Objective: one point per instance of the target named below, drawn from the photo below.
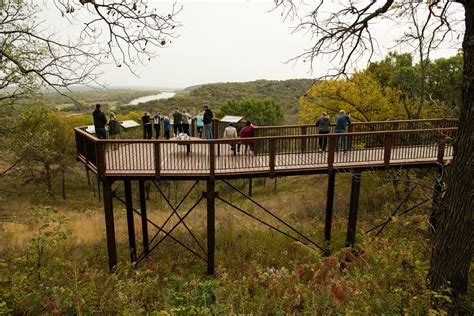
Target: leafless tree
(344, 31)
(33, 55)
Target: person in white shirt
(231, 132)
(185, 121)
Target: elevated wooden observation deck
(275, 151)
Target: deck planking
(138, 159)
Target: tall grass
(54, 261)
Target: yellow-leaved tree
(361, 95)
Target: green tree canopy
(259, 112)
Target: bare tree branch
(32, 56)
(343, 30)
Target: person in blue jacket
(166, 127)
(342, 120)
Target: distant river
(163, 95)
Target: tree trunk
(453, 240)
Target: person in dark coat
(323, 124)
(99, 122)
(342, 120)
(177, 126)
(147, 128)
(207, 120)
(245, 132)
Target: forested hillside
(285, 93)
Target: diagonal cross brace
(171, 230)
(175, 211)
(278, 219)
(167, 234)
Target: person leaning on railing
(156, 124)
(323, 123)
(342, 120)
(185, 121)
(147, 129)
(177, 127)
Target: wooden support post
(141, 191)
(212, 159)
(215, 128)
(88, 177)
(157, 151)
(100, 156)
(350, 129)
(331, 149)
(193, 127)
(353, 208)
(387, 153)
(109, 224)
(250, 186)
(211, 222)
(98, 189)
(329, 206)
(396, 127)
(303, 140)
(130, 224)
(271, 157)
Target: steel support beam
(109, 224)
(353, 208)
(141, 191)
(329, 206)
(211, 222)
(130, 223)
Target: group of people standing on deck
(181, 120)
(342, 121)
(177, 123)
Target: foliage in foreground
(258, 272)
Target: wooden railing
(305, 129)
(271, 155)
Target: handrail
(364, 123)
(165, 157)
(233, 140)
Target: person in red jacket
(245, 132)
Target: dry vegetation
(54, 260)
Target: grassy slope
(258, 271)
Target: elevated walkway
(275, 151)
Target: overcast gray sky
(232, 40)
(222, 41)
